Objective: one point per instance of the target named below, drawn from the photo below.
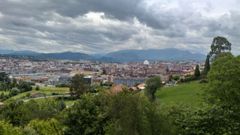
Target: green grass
(45, 90)
(187, 94)
(50, 90)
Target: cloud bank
(93, 26)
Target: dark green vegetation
(78, 86)
(152, 85)
(10, 88)
(197, 73)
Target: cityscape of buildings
(56, 72)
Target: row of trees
(12, 86)
(124, 113)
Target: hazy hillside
(164, 54)
(119, 56)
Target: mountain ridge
(118, 56)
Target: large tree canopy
(224, 79)
(152, 85)
(218, 46)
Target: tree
(222, 115)
(44, 127)
(4, 77)
(20, 113)
(197, 72)
(207, 65)
(37, 88)
(8, 129)
(214, 120)
(4, 81)
(224, 79)
(218, 46)
(152, 85)
(88, 116)
(133, 114)
(78, 86)
(24, 86)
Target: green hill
(190, 94)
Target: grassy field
(48, 91)
(187, 94)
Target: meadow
(46, 91)
(190, 94)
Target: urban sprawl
(58, 72)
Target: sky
(102, 26)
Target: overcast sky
(101, 26)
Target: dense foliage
(152, 85)
(78, 86)
(197, 72)
(222, 115)
(19, 113)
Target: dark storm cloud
(120, 9)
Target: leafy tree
(4, 81)
(224, 79)
(14, 83)
(218, 46)
(44, 127)
(207, 65)
(8, 129)
(223, 114)
(120, 114)
(78, 86)
(133, 114)
(20, 113)
(37, 88)
(14, 92)
(197, 72)
(175, 78)
(152, 85)
(4, 77)
(88, 116)
(214, 120)
(24, 86)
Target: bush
(14, 92)
(8, 129)
(24, 86)
(20, 113)
(37, 88)
(215, 120)
(124, 113)
(62, 85)
(44, 127)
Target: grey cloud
(63, 25)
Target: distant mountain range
(119, 56)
